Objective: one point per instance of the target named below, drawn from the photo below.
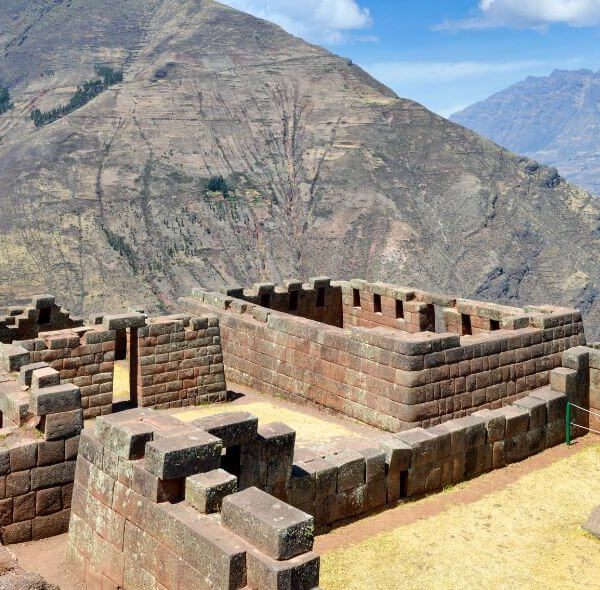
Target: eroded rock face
(13, 577)
(324, 170)
(549, 118)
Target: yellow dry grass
(309, 428)
(527, 535)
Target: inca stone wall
(318, 299)
(390, 377)
(180, 362)
(41, 422)
(144, 514)
(83, 356)
(221, 502)
(172, 363)
(41, 315)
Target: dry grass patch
(527, 535)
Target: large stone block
(517, 420)
(44, 377)
(202, 542)
(298, 573)
(26, 371)
(12, 357)
(537, 411)
(205, 491)
(123, 320)
(62, 425)
(350, 469)
(183, 455)
(58, 398)
(233, 428)
(273, 527)
(424, 446)
(124, 433)
(495, 424)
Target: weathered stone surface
(44, 377)
(63, 425)
(275, 528)
(205, 491)
(123, 320)
(350, 469)
(124, 433)
(54, 399)
(12, 357)
(233, 428)
(298, 573)
(183, 455)
(26, 371)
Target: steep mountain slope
(554, 119)
(328, 172)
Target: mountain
(233, 152)
(553, 119)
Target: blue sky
(446, 54)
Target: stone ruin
(391, 357)
(456, 388)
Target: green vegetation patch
(84, 94)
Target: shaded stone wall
(318, 299)
(157, 501)
(83, 356)
(372, 305)
(388, 378)
(41, 315)
(42, 420)
(173, 362)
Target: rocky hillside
(554, 119)
(232, 151)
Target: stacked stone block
(347, 483)
(42, 420)
(319, 299)
(388, 378)
(137, 523)
(180, 362)
(372, 305)
(84, 357)
(176, 362)
(338, 484)
(42, 314)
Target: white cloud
(535, 14)
(394, 73)
(325, 21)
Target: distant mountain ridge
(233, 152)
(554, 119)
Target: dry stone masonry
(174, 361)
(144, 502)
(41, 422)
(387, 366)
(456, 388)
(42, 314)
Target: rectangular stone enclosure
(389, 356)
